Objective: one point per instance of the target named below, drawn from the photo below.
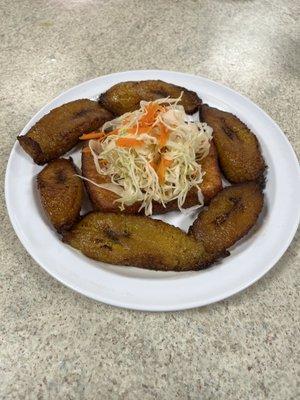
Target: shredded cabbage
(131, 169)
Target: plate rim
(143, 307)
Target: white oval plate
(140, 289)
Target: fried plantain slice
(238, 148)
(61, 193)
(104, 200)
(229, 216)
(126, 96)
(57, 132)
(101, 199)
(137, 241)
(212, 180)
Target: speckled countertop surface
(56, 344)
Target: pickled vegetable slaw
(151, 154)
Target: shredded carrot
(98, 135)
(151, 111)
(92, 135)
(161, 169)
(132, 129)
(129, 142)
(113, 132)
(138, 129)
(153, 164)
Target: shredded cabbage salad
(152, 154)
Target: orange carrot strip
(92, 135)
(132, 129)
(153, 165)
(129, 142)
(144, 129)
(161, 170)
(141, 129)
(97, 135)
(151, 110)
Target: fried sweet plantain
(238, 148)
(212, 181)
(229, 216)
(137, 241)
(104, 200)
(143, 242)
(126, 96)
(101, 199)
(57, 132)
(61, 193)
